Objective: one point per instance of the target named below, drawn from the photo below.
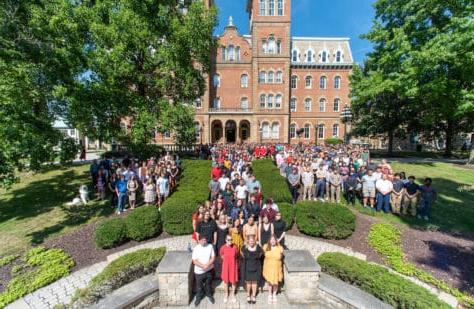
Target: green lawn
(35, 209)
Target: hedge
(378, 281)
(193, 189)
(333, 141)
(121, 271)
(143, 223)
(288, 214)
(273, 184)
(110, 233)
(325, 220)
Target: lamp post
(346, 116)
(201, 129)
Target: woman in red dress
(197, 216)
(229, 273)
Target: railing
(230, 110)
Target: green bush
(121, 271)
(333, 141)
(144, 151)
(42, 266)
(69, 150)
(110, 233)
(192, 189)
(325, 220)
(378, 281)
(288, 214)
(273, 184)
(143, 223)
(7, 259)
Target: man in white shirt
(307, 178)
(203, 261)
(241, 191)
(384, 188)
(223, 181)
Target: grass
(34, 209)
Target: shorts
(368, 192)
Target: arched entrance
(216, 131)
(244, 130)
(230, 131)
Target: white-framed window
(280, 7)
(337, 82)
(307, 130)
(338, 56)
(279, 77)
(307, 104)
(244, 81)
(278, 47)
(322, 105)
(244, 103)
(265, 130)
(270, 101)
(324, 56)
(292, 130)
(224, 53)
(271, 77)
(293, 103)
(263, 7)
(216, 80)
(275, 130)
(337, 104)
(271, 7)
(216, 103)
(323, 81)
(237, 53)
(278, 101)
(294, 81)
(231, 53)
(264, 46)
(320, 130)
(271, 48)
(263, 100)
(308, 82)
(335, 130)
(309, 56)
(197, 103)
(294, 55)
(262, 78)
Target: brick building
(267, 85)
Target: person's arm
(197, 263)
(272, 229)
(215, 238)
(259, 230)
(282, 236)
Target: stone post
(301, 274)
(175, 279)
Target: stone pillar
(301, 273)
(175, 279)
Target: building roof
(318, 44)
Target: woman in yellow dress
(272, 267)
(236, 234)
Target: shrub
(69, 150)
(110, 233)
(288, 214)
(325, 220)
(144, 151)
(273, 184)
(7, 259)
(121, 271)
(333, 141)
(143, 223)
(378, 281)
(43, 266)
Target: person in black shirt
(253, 208)
(352, 183)
(279, 228)
(411, 196)
(207, 228)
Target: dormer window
(224, 53)
(338, 56)
(231, 53)
(294, 55)
(309, 56)
(324, 56)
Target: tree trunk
(390, 143)
(448, 151)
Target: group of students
(237, 235)
(128, 181)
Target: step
(218, 286)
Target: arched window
(237, 53)
(337, 82)
(322, 105)
(292, 130)
(309, 56)
(275, 130)
(216, 80)
(335, 130)
(231, 53)
(307, 104)
(294, 81)
(307, 130)
(263, 7)
(323, 82)
(308, 81)
(264, 46)
(271, 48)
(262, 77)
(293, 103)
(324, 56)
(278, 101)
(278, 47)
(280, 7)
(294, 55)
(279, 77)
(337, 104)
(224, 53)
(271, 7)
(244, 103)
(321, 131)
(216, 103)
(338, 56)
(244, 81)
(265, 130)
(263, 100)
(270, 101)
(271, 77)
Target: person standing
(252, 268)
(335, 181)
(265, 231)
(214, 188)
(222, 232)
(272, 267)
(308, 180)
(397, 194)
(279, 227)
(320, 184)
(294, 181)
(428, 197)
(351, 186)
(241, 191)
(163, 187)
(150, 192)
(121, 191)
(203, 257)
(411, 196)
(207, 228)
(368, 188)
(229, 271)
(132, 187)
(111, 184)
(384, 189)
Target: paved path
(62, 291)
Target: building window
(271, 48)
(323, 82)
(263, 101)
(324, 56)
(270, 101)
(307, 130)
(308, 81)
(279, 77)
(307, 105)
(280, 7)
(263, 9)
(216, 103)
(337, 82)
(278, 101)
(237, 53)
(338, 56)
(292, 130)
(198, 103)
(322, 105)
(244, 103)
(167, 134)
(294, 55)
(337, 103)
(197, 130)
(275, 130)
(262, 77)
(278, 49)
(231, 53)
(271, 77)
(309, 56)
(265, 130)
(293, 105)
(244, 81)
(294, 81)
(335, 130)
(217, 80)
(321, 131)
(224, 53)
(271, 7)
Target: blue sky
(321, 18)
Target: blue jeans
(425, 208)
(383, 202)
(121, 201)
(320, 187)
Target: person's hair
(411, 177)
(397, 175)
(268, 246)
(201, 237)
(428, 179)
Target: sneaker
(211, 299)
(226, 300)
(426, 218)
(197, 302)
